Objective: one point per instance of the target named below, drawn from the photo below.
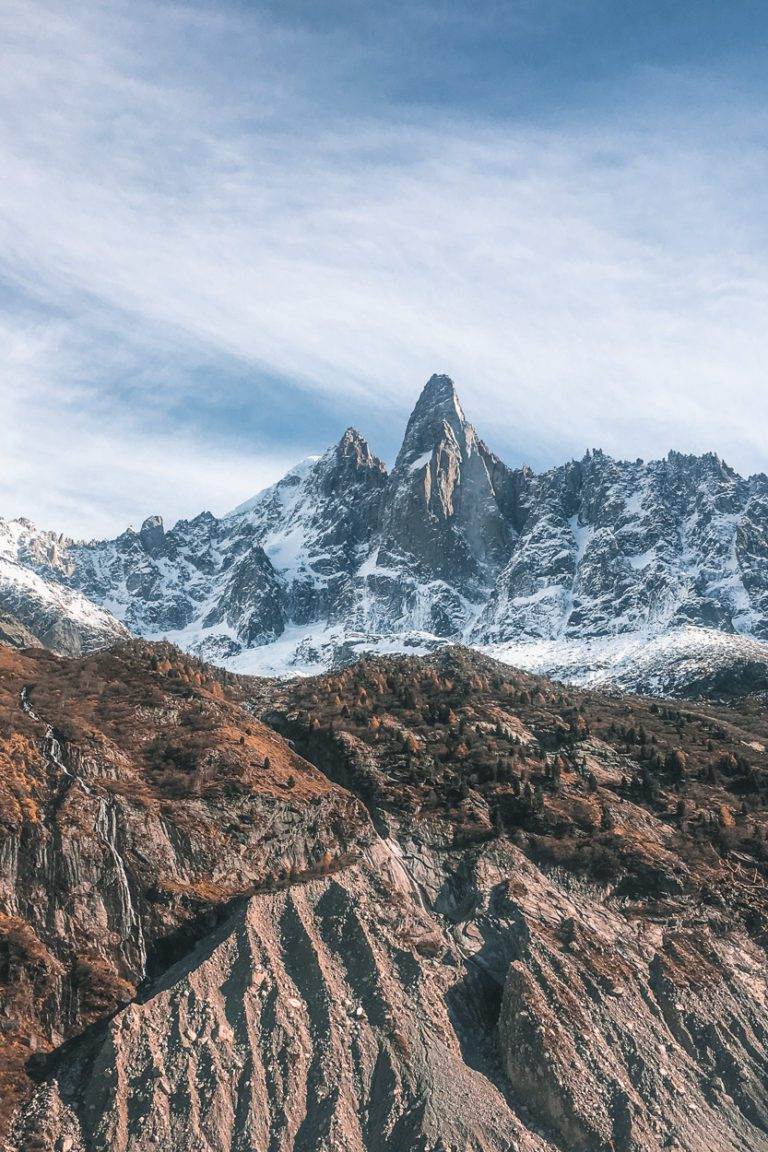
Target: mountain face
(583, 571)
(610, 546)
(419, 903)
(441, 515)
(39, 611)
(136, 805)
(317, 525)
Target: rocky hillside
(416, 903)
(584, 572)
(136, 804)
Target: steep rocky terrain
(14, 634)
(416, 903)
(583, 572)
(44, 611)
(135, 805)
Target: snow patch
(420, 461)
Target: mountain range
(644, 575)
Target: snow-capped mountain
(40, 611)
(598, 570)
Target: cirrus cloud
(220, 245)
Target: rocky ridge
(578, 572)
(136, 804)
(45, 611)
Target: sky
(228, 231)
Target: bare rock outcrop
(482, 914)
(135, 804)
(307, 1022)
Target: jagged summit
(352, 439)
(442, 516)
(353, 451)
(352, 436)
(152, 535)
(440, 392)
(572, 571)
(437, 416)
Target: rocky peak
(589, 550)
(348, 461)
(438, 416)
(442, 510)
(152, 535)
(439, 392)
(354, 444)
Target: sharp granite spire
(437, 414)
(592, 560)
(442, 515)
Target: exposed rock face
(631, 999)
(135, 805)
(442, 537)
(615, 1031)
(526, 942)
(152, 536)
(309, 1022)
(251, 603)
(15, 634)
(317, 525)
(197, 574)
(297, 1026)
(442, 514)
(46, 612)
(612, 547)
(579, 572)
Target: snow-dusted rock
(576, 571)
(441, 515)
(45, 612)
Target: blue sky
(228, 231)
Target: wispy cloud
(189, 188)
(75, 461)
